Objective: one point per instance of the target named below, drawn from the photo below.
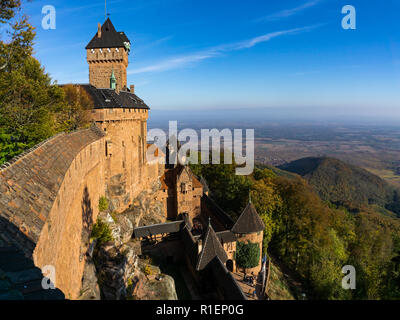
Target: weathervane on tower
(105, 10)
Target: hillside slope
(345, 184)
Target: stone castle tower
(107, 56)
(250, 228)
(120, 114)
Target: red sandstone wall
(51, 194)
(63, 240)
(101, 63)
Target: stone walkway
(248, 289)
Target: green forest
(32, 106)
(312, 237)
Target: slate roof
(109, 98)
(211, 248)
(190, 244)
(226, 236)
(225, 281)
(217, 212)
(204, 184)
(155, 229)
(249, 221)
(110, 38)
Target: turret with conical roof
(249, 221)
(250, 228)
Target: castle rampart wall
(51, 196)
(63, 241)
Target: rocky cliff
(114, 270)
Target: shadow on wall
(87, 215)
(21, 279)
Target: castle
(49, 194)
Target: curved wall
(50, 194)
(63, 241)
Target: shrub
(101, 232)
(147, 270)
(247, 254)
(103, 204)
(114, 216)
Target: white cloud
(289, 12)
(177, 62)
(173, 63)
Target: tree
(27, 96)
(101, 232)
(8, 9)
(267, 203)
(103, 204)
(73, 114)
(229, 190)
(32, 106)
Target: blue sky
(238, 54)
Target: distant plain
(281, 138)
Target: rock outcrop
(121, 273)
(146, 209)
(115, 268)
(90, 289)
(152, 285)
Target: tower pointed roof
(211, 248)
(249, 221)
(109, 38)
(204, 184)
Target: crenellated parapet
(118, 114)
(107, 54)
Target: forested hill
(345, 184)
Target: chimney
(132, 88)
(98, 30)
